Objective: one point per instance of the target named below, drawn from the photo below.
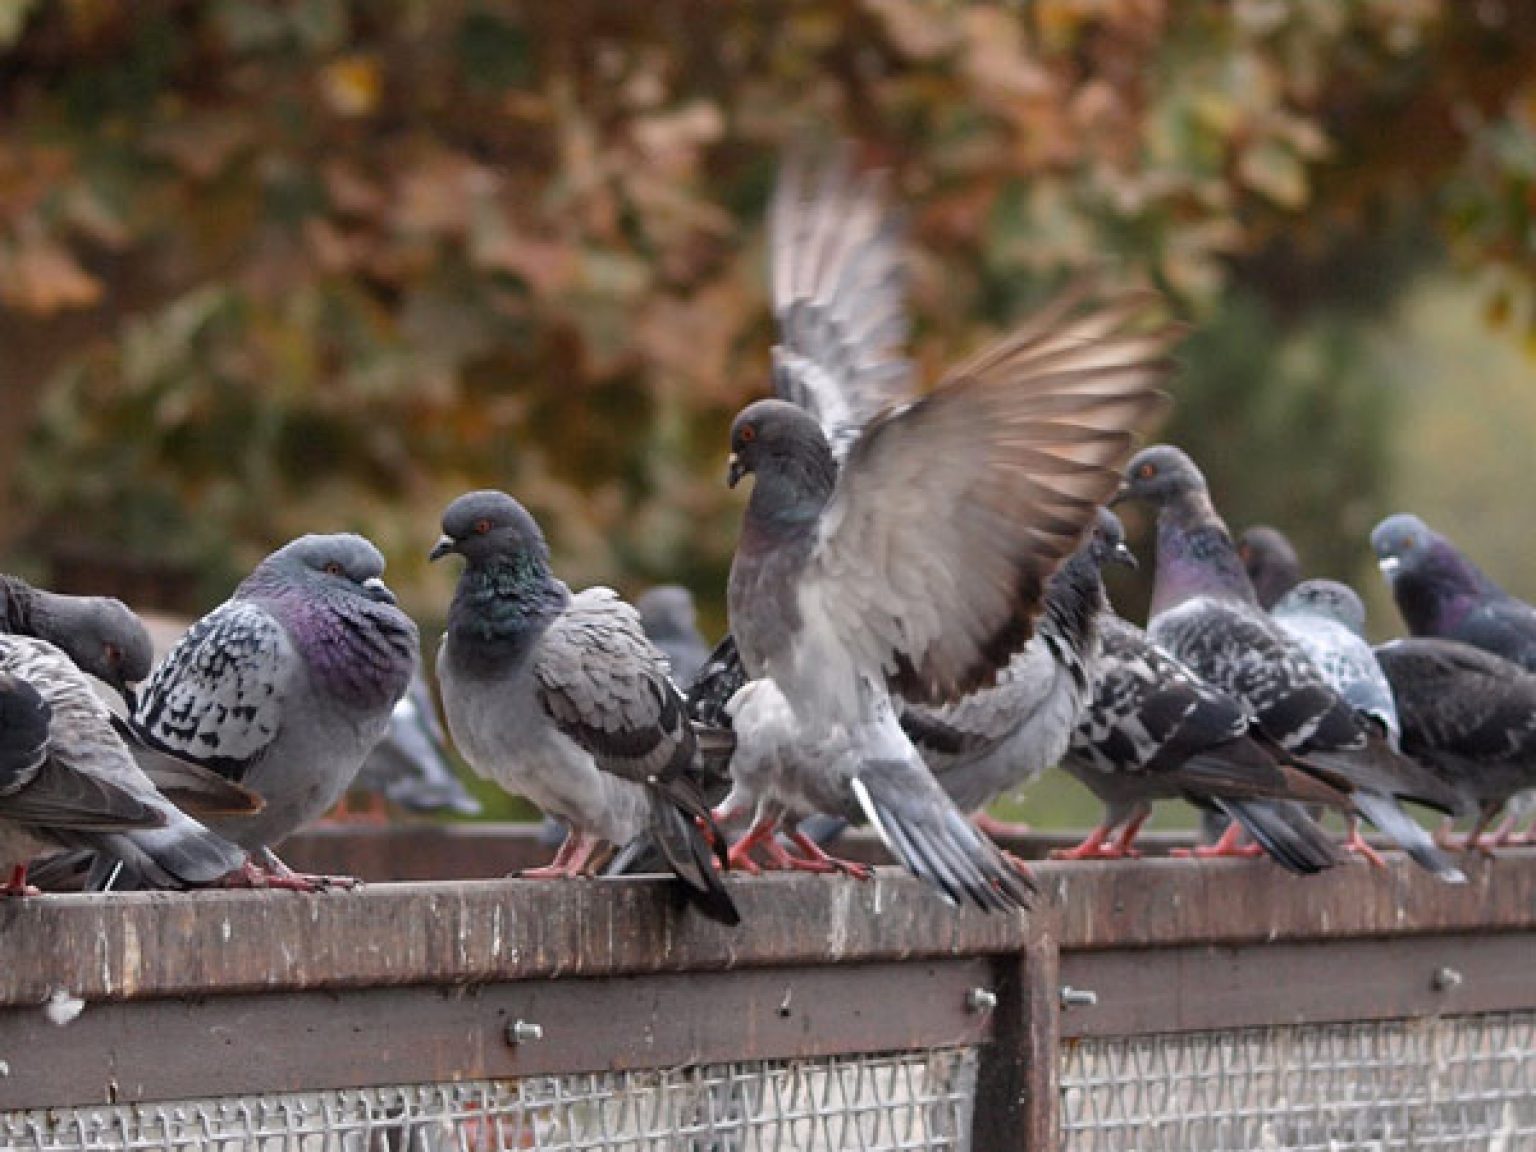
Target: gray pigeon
(1271, 562)
(286, 687)
(1000, 738)
(1327, 619)
(1205, 613)
(70, 782)
(410, 766)
(560, 698)
(101, 635)
(1469, 716)
(670, 620)
(918, 567)
(1440, 592)
(1154, 730)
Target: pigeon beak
(444, 545)
(130, 695)
(734, 471)
(1389, 566)
(378, 590)
(1122, 554)
(1122, 494)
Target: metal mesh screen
(868, 1103)
(1464, 1082)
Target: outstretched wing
(951, 513)
(839, 295)
(605, 687)
(217, 698)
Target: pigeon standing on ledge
(285, 688)
(559, 697)
(68, 781)
(1470, 716)
(1204, 612)
(1156, 731)
(1327, 619)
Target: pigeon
(1270, 561)
(285, 688)
(1327, 619)
(670, 621)
(69, 781)
(1154, 730)
(1468, 715)
(559, 697)
(410, 766)
(1205, 613)
(998, 739)
(1440, 592)
(101, 635)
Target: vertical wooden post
(1018, 1103)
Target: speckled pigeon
(1000, 738)
(286, 687)
(1441, 592)
(1469, 716)
(410, 766)
(670, 620)
(1205, 613)
(559, 697)
(1271, 562)
(69, 782)
(1154, 730)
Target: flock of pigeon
(918, 626)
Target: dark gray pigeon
(101, 635)
(285, 688)
(69, 782)
(1327, 619)
(919, 567)
(999, 739)
(1271, 562)
(410, 766)
(1154, 730)
(559, 697)
(1205, 613)
(1470, 717)
(670, 620)
(1440, 592)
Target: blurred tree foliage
(268, 267)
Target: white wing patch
(217, 698)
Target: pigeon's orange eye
(1146, 472)
(482, 527)
(333, 569)
(113, 653)
(747, 434)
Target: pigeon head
(667, 610)
(1270, 561)
(108, 641)
(481, 526)
(1106, 541)
(1401, 542)
(1328, 599)
(1160, 475)
(783, 446)
(338, 565)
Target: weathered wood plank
(471, 932)
(1207, 987)
(306, 1041)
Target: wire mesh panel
(867, 1103)
(1443, 1083)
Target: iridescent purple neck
(360, 651)
(1196, 556)
(1437, 591)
